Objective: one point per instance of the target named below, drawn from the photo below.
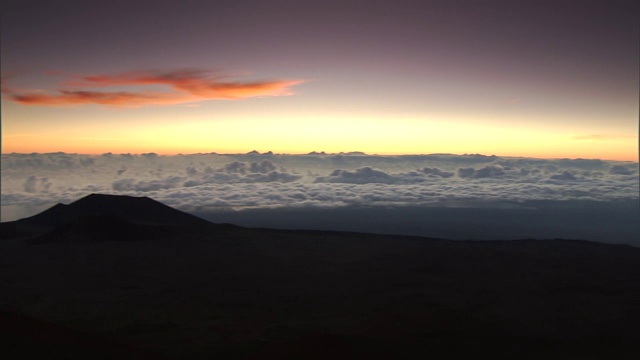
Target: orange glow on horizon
(178, 130)
(97, 146)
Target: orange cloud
(185, 86)
(121, 98)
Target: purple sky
(543, 78)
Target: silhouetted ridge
(132, 209)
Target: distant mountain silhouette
(100, 217)
(141, 210)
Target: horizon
(414, 194)
(312, 152)
(541, 97)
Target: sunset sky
(549, 79)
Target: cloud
(491, 171)
(369, 175)
(466, 172)
(184, 86)
(565, 175)
(203, 181)
(437, 172)
(152, 185)
(121, 98)
(34, 184)
(263, 167)
(232, 173)
(224, 178)
(238, 167)
(364, 175)
(241, 172)
(235, 167)
(30, 184)
(620, 170)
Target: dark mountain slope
(240, 293)
(24, 337)
(104, 217)
(134, 209)
(105, 228)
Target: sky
(546, 79)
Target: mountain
(100, 217)
(142, 210)
(104, 228)
(86, 281)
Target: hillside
(236, 293)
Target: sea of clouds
(214, 182)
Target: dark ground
(221, 292)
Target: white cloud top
(211, 181)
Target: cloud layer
(211, 181)
(184, 86)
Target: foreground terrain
(120, 277)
